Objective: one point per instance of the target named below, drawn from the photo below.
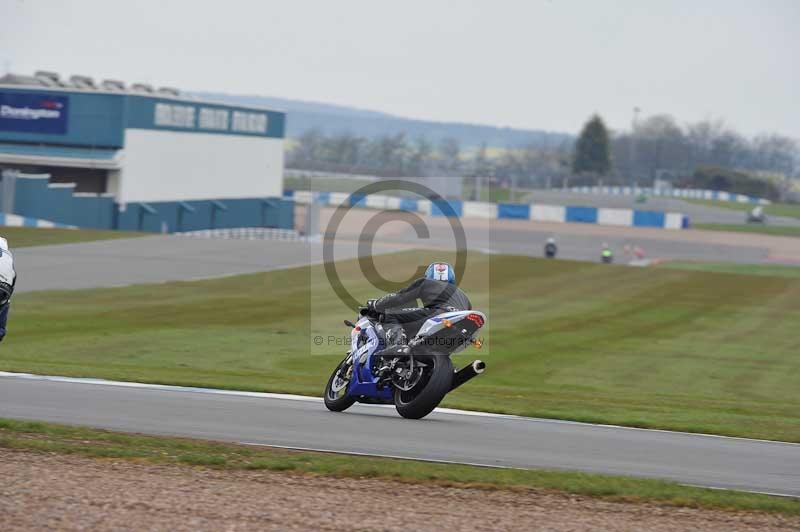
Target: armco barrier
(495, 211)
(686, 193)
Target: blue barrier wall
(648, 219)
(357, 200)
(409, 205)
(180, 216)
(520, 211)
(514, 210)
(582, 214)
(439, 208)
(35, 198)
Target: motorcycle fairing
(364, 383)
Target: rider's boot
(395, 339)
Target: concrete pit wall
(36, 197)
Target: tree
(420, 156)
(449, 156)
(592, 151)
(660, 145)
(481, 165)
(715, 178)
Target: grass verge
(775, 230)
(791, 210)
(51, 438)
(683, 350)
(21, 237)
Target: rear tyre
(428, 393)
(336, 398)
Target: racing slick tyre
(336, 398)
(426, 395)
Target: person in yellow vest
(607, 256)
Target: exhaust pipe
(466, 373)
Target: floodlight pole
(634, 124)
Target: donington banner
(33, 113)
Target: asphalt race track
(464, 437)
(155, 259)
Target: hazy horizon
(533, 65)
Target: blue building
(110, 156)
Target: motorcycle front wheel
(336, 398)
(426, 394)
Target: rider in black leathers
(437, 291)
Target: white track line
(292, 397)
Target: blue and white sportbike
(415, 375)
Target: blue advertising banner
(33, 113)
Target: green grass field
(491, 194)
(675, 349)
(21, 237)
(494, 194)
(791, 210)
(772, 270)
(764, 229)
(51, 438)
(322, 184)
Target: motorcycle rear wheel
(336, 398)
(426, 394)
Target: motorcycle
(414, 376)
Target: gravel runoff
(66, 492)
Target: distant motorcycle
(414, 377)
(756, 216)
(550, 249)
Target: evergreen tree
(592, 150)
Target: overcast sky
(530, 64)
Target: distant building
(151, 148)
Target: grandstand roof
(78, 83)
